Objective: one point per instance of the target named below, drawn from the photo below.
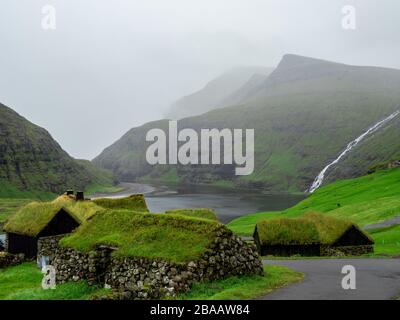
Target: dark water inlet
(227, 203)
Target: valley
(303, 114)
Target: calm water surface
(227, 203)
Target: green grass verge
(23, 282)
(244, 287)
(387, 241)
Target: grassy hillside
(32, 163)
(366, 200)
(304, 115)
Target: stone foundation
(346, 250)
(142, 278)
(8, 259)
(135, 278)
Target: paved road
(390, 222)
(375, 279)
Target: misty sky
(113, 65)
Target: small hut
(311, 235)
(34, 221)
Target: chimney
(80, 196)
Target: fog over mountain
(304, 114)
(110, 66)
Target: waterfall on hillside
(320, 178)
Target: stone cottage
(149, 256)
(311, 235)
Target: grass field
(23, 282)
(244, 287)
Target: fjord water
(227, 203)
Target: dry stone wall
(8, 259)
(346, 250)
(142, 278)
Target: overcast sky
(113, 65)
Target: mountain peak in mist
(293, 61)
(215, 92)
(298, 68)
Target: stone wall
(8, 259)
(228, 255)
(346, 250)
(142, 278)
(72, 265)
(47, 246)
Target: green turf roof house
(34, 221)
(312, 234)
(61, 216)
(150, 256)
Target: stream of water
(320, 178)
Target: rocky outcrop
(144, 278)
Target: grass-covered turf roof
(31, 219)
(311, 228)
(134, 202)
(171, 237)
(203, 213)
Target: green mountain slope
(304, 115)
(369, 199)
(31, 161)
(217, 93)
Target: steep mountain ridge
(214, 93)
(31, 160)
(304, 114)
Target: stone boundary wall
(346, 250)
(8, 259)
(142, 278)
(72, 265)
(136, 278)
